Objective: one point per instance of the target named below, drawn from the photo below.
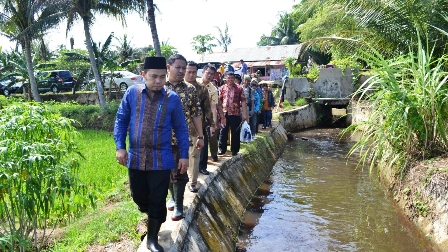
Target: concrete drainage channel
(212, 220)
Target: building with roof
(268, 60)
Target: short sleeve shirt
(212, 93)
(231, 98)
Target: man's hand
(122, 156)
(183, 165)
(212, 130)
(244, 117)
(199, 144)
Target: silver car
(121, 80)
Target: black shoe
(204, 171)
(193, 189)
(234, 153)
(220, 152)
(263, 127)
(215, 159)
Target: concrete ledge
(300, 118)
(211, 222)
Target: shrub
(38, 182)
(313, 74)
(300, 102)
(89, 116)
(409, 111)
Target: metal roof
(270, 55)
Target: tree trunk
(93, 63)
(29, 64)
(152, 25)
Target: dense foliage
(38, 180)
(409, 109)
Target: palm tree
(152, 24)
(283, 33)
(24, 21)
(84, 10)
(389, 26)
(224, 38)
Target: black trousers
(149, 190)
(208, 140)
(204, 151)
(232, 122)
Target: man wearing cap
(191, 107)
(151, 113)
(232, 99)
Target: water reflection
(315, 200)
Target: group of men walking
(169, 123)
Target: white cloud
(180, 20)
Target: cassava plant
(38, 183)
(409, 110)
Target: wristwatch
(200, 137)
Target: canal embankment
(421, 193)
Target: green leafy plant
(343, 63)
(313, 74)
(300, 102)
(409, 110)
(38, 179)
(294, 70)
(286, 105)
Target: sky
(179, 21)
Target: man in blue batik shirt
(151, 112)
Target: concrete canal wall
(211, 222)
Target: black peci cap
(155, 63)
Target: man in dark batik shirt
(191, 106)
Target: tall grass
(409, 110)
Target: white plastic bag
(245, 134)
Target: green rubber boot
(178, 190)
(171, 204)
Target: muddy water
(317, 201)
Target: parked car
(202, 64)
(11, 84)
(121, 79)
(55, 81)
